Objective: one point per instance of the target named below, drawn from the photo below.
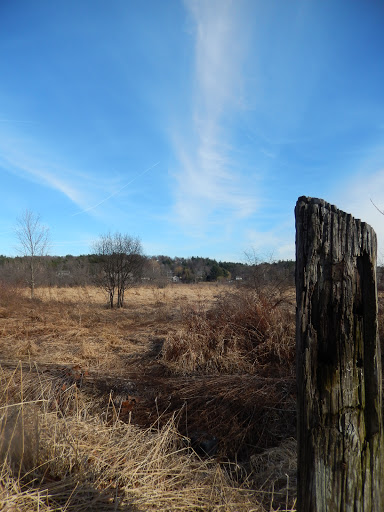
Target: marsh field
(183, 400)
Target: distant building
(63, 273)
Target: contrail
(115, 193)
(16, 121)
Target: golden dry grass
(67, 325)
(73, 325)
(93, 417)
(68, 459)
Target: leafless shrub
(121, 261)
(246, 330)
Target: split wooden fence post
(340, 426)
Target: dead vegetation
(184, 400)
(246, 330)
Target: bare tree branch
(378, 209)
(33, 240)
(121, 261)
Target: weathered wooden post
(340, 427)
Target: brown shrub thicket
(246, 330)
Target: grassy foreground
(109, 409)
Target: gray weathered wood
(340, 428)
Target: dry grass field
(183, 400)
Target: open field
(183, 400)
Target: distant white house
(63, 273)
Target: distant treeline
(81, 270)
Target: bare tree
(121, 262)
(274, 279)
(33, 240)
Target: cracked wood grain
(340, 428)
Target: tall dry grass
(232, 364)
(67, 446)
(67, 459)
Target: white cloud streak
(36, 171)
(208, 181)
(17, 156)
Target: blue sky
(193, 124)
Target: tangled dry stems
(75, 461)
(246, 330)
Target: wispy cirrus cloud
(87, 188)
(209, 179)
(38, 171)
(22, 157)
